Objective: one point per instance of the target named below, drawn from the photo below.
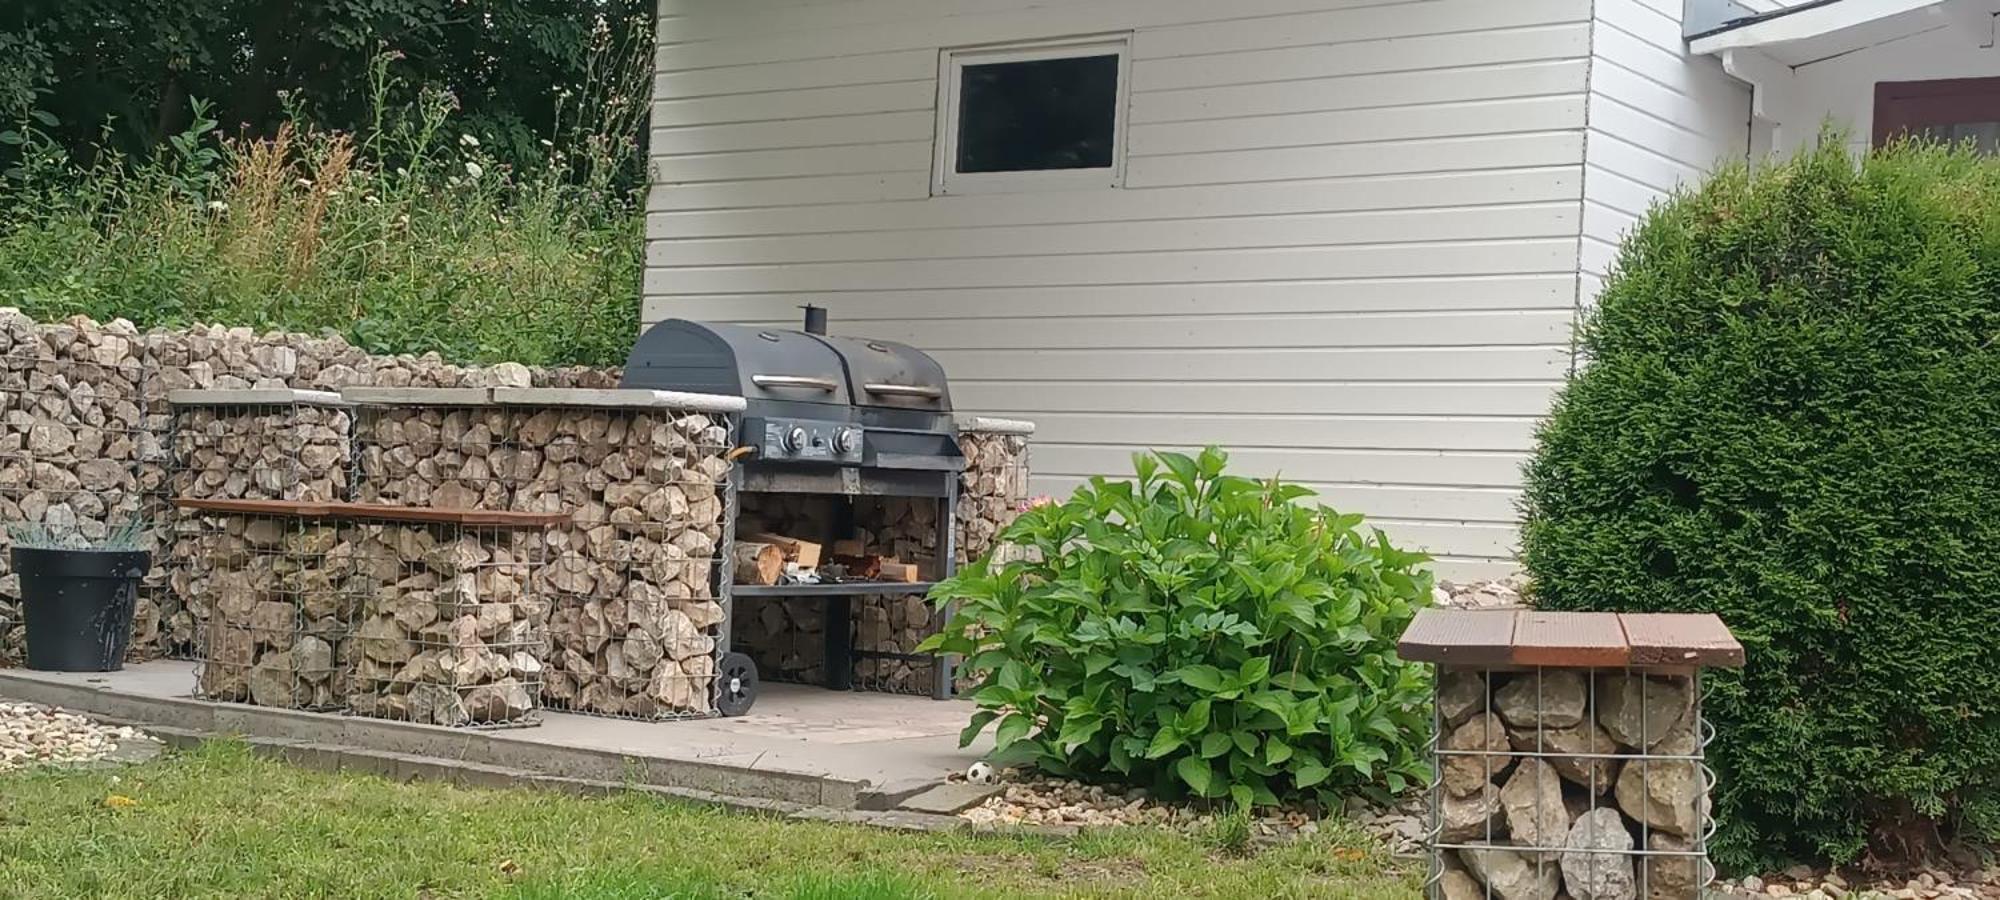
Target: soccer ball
(979, 773)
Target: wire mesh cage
(279, 600)
(1569, 752)
(1589, 781)
(239, 445)
(453, 628)
(637, 622)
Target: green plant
(1199, 633)
(131, 535)
(408, 238)
(1788, 419)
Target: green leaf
(1201, 677)
(1195, 771)
(1165, 741)
(1308, 775)
(1242, 796)
(1214, 744)
(1276, 751)
(1012, 728)
(979, 722)
(1245, 741)
(1254, 671)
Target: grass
(221, 822)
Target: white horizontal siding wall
(1346, 248)
(1659, 119)
(1842, 89)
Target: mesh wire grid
(633, 614)
(261, 451)
(1590, 780)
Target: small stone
(1546, 698)
(1533, 803)
(1661, 793)
(1471, 817)
(1512, 876)
(1465, 774)
(1461, 694)
(1639, 711)
(1598, 864)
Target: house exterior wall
(1346, 247)
(1659, 119)
(1842, 89)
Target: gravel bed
(33, 735)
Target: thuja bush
(1197, 633)
(1790, 416)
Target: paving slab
(800, 744)
(950, 798)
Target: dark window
(1950, 109)
(1037, 115)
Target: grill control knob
(847, 441)
(795, 440)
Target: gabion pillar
(1568, 753)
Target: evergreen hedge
(1789, 414)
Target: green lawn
(221, 822)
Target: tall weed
(409, 237)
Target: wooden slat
(1681, 639)
(376, 512)
(1577, 640)
(1460, 637)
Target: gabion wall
(112, 381)
(633, 618)
(1585, 783)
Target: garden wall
(88, 441)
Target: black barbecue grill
(826, 415)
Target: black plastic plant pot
(77, 605)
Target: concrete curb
(496, 749)
(414, 767)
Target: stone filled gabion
(1550, 779)
(453, 629)
(276, 599)
(72, 444)
(632, 575)
(114, 379)
(294, 452)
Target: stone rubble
(32, 734)
(1809, 883)
(1502, 593)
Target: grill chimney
(815, 319)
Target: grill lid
(890, 375)
(753, 363)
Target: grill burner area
(823, 414)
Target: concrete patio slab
(800, 745)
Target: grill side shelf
(845, 589)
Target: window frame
(947, 180)
(1903, 106)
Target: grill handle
(903, 390)
(794, 381)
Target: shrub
(1791, 417)
(1197, 633)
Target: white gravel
(32, 735)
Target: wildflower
(473, 169)
(468, 140)
(217, 206)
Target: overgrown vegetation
(408, 234)
(1789, 418)
(1198, 633)
(218, 822)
